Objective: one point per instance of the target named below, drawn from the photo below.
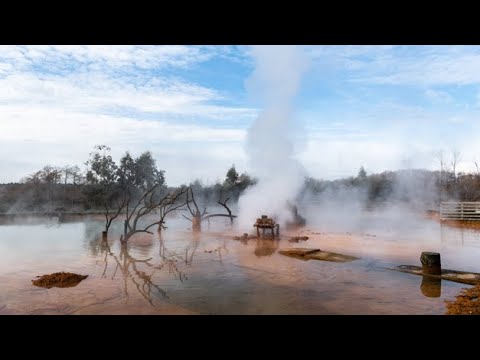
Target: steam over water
(270, 144)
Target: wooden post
(104, 235)
(431, 264)
(125, 228)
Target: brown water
(213, 274)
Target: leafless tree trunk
(197, 216)
(66, 171)
(172, 202)
(224, 204)
(76, 175)
(454, 163)
(441, 159)
(477, 173)
(109, 217)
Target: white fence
(453, 210)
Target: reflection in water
(222, 249)
(459, 236)
(250, 279)
(129, 268)
(431, 287)
(266, 246)
(169, 260)
(190, 249)
(93, 230)
(141, 271)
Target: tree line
(103, 183)
(420, 187)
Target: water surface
(210, 273)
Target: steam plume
(270, 150)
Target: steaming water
(212, 274)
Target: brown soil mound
(467, 303)
(59, 279)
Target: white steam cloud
(270, 141)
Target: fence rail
(454, 210)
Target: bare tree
(477, 172)
(224, 204)
(66, 173)
(170, 203)
(50, 176)
(149, 204)
(76, 174)
(441, 158)
(109, 217)
(198, 217)
(454, 162)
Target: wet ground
(211, 273)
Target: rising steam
(270, 144)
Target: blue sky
(383, 107)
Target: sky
(381, 107)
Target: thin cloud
(97, 93)
(453, 65)
(439, 97)
(105, 56)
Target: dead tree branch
(224, 204)
(198, 217)
(149, 204)
(110, 217)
